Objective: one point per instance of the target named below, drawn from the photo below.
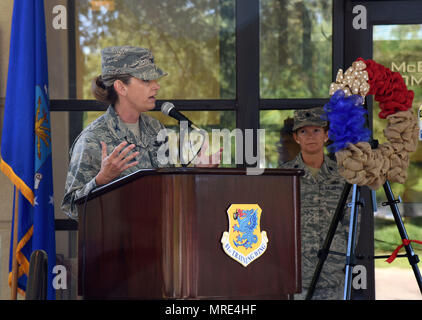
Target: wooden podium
(156, 234)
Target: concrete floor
(396, 284)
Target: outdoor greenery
(295, 39)
(186, 37)
(387, 238)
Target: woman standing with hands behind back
(320, 190)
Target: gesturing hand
(115, 163)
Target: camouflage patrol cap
(309, 117)
(138, 62)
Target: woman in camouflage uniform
(321, 187)
(124, 139)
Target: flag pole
(15, 244)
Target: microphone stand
(181, 144)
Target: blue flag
(26, 138)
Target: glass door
(399, 47)
(390, 33)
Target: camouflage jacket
(85, 161)
(319, 198)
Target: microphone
(169, 109)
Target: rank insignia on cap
(244, 242)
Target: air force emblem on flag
(244, 242)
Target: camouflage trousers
(322, 294)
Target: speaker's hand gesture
(115, 163)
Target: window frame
(247, 103)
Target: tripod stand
(351, 244)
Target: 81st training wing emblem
(244, 242)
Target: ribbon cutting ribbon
(406, 242)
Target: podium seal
(244, 242)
